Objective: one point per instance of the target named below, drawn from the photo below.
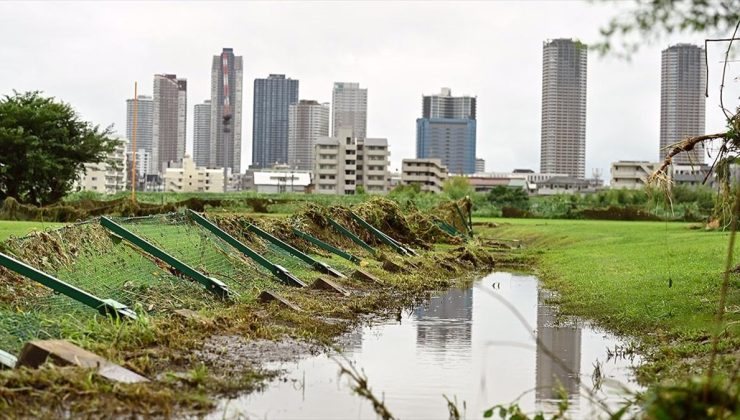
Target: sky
(89, 54)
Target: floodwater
(464, 344)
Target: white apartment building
(429, 174)
(104, 177)
(187, 177)
(631, 174)
(343, 162)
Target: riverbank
(657, 282)
(216, 348)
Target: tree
(44, 146)
(649, 20)
(457, 187)
(502, 196)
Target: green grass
(656, 281)
(12, 228)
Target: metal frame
(317, 265)
(325, 246)
(214, 286)
(104, 306)
(397, 246)
(450, 230)
(346, 232)
(462, 219)
(278, 271)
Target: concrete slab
(7, 360)
(392, 267)
(328, 285)
(63, 353)
(188, 314)
(363, 275)
(267, 296)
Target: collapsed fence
(186, 260)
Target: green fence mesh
(91, 258)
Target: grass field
(655, 281)
(12, 228)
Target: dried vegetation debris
(226, 342)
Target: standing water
(465, 345)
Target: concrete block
(188, 314)
(7, 360)
(326, 284)
(267, 296)
(363, 275)
(63, 353)
(392, 267)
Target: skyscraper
(202, 134)
(349, 109)
(144, 133)
(682, 101)
(226, 111)
(169, 120)
(447, 131)
(308, 120)
(563, 136)
(272, 99)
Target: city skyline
(396, 72)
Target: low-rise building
(108, 176)
(343, 162)
(565, 185)
(631, 174)
(692, 175)
(185, 176)
(429, 174)
(279, 179)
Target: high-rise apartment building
(563, 135)
(225, 140)
(349, 109)
(682, 101)
(144, 131)
(308, 120)
(447, 131)
(342, 162)
(272, 99)
(202, 134)
(169, 120)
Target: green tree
(502, 196)
(457, 187)
(44, 146)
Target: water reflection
(558, 364)
(459, 344)
(445, 321)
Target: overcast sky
(89, 54)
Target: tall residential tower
(563, 136)
(349, 109)
(144, 134)
(225, 141)
(682, 101)
(447, 131)
(308, 120)
(169, 120)
(272, 99)
(202, 134)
